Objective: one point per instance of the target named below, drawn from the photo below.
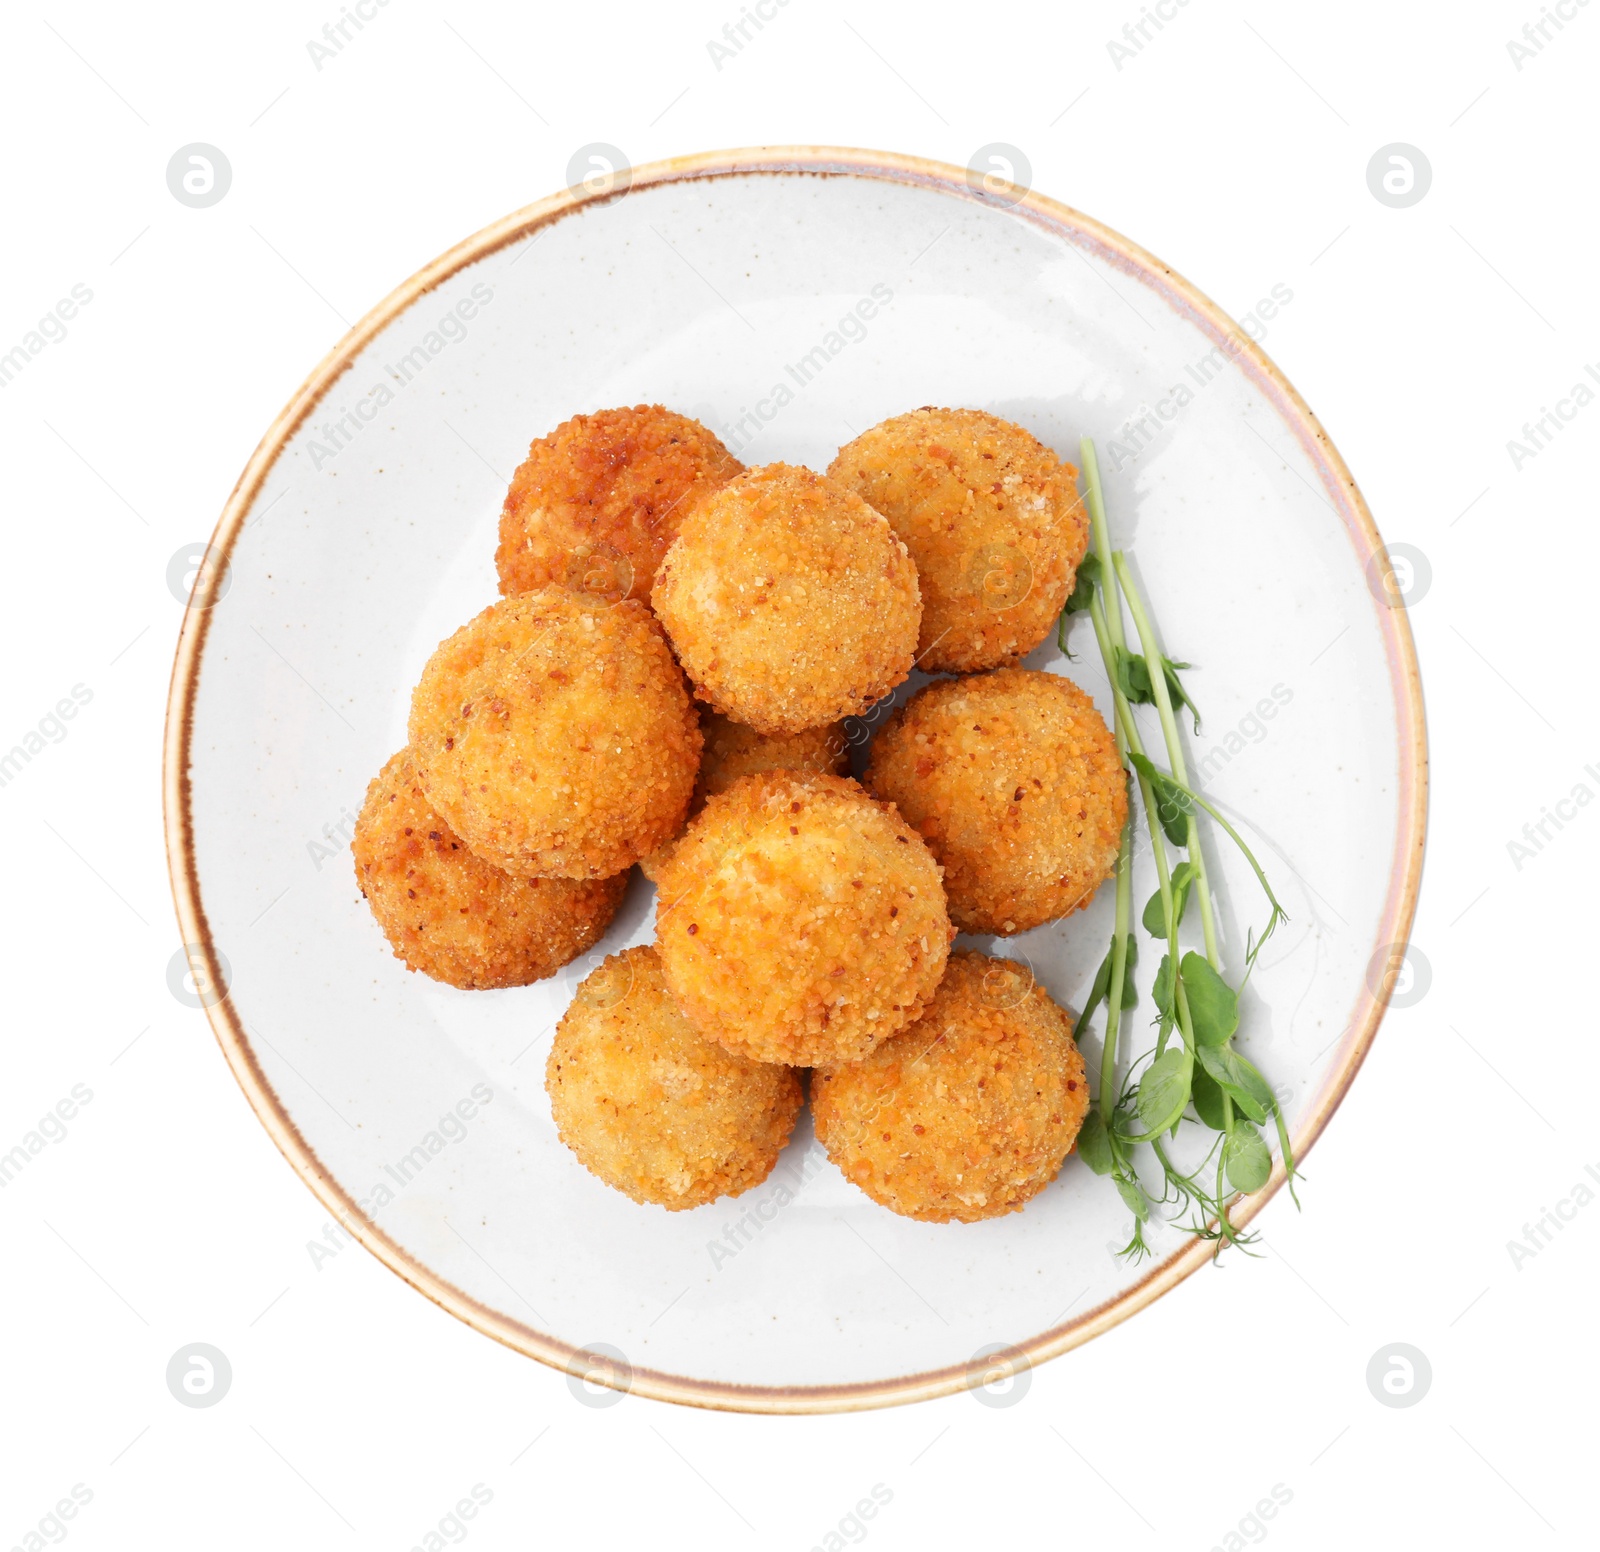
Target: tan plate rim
(1405, 874)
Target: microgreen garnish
(1133, 678)
(1200, 1078)
(1078, 600)
(1082, 592)
(1152, 920)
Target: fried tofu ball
(733, 750)
(556, 735)
(993, 520)
(653, 1108)
(799, 921)
(789, 601)
(595, 503)
(1015, 783)
(970, 1112)
(452, 915)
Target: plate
(789, 298)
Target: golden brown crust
(651, 1107)
(799, 921)
(993, 521)
(556, 735)
(452, 915)
(1014, 781)
(789, 601)
(970, 1112)
(733, 750)
(595, 503)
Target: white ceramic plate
(363, 532)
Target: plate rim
(227, 1024)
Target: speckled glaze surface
(789, 297)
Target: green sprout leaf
(1206, 1097)
(1164, 993)
(1133, 679)
(1213, 1004)
(1097, 995)
(1183, 877)
(1176, 692)
(1083, 591)
(1130, 992)
(1245, 1157)
(1173, 802)
(1162, 990)
(1154, 918)
(1132, 1193)
(1238, 1079)
(1102, 982)
(1079, 601)
(1164, 1091)
(1094, 1144)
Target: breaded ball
(799, 921)
(452, 915)
(595, 503)
(1015, 783)
(970, 1112)
(653, 1108)
(733, 750)
(556, 735)
(789, 601)
(993, 520)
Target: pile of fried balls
(804, 919)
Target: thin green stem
(1121, 921)
(1202, 884)
(1152, 658)
(1127, 734)
(1180, 999)
(1156, 669)
(1119, 970)
(1101, 535)
(1238, 840)
(1158, 850)
(1128, 738)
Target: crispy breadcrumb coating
(799, 921)
(556, 735)
(452, 915)
(733, 750)
(992, 518)
(1014, 781)
(653, 1108)
(595, 503)
(789, 601)
(970, 1112)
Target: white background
(1234, 144)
